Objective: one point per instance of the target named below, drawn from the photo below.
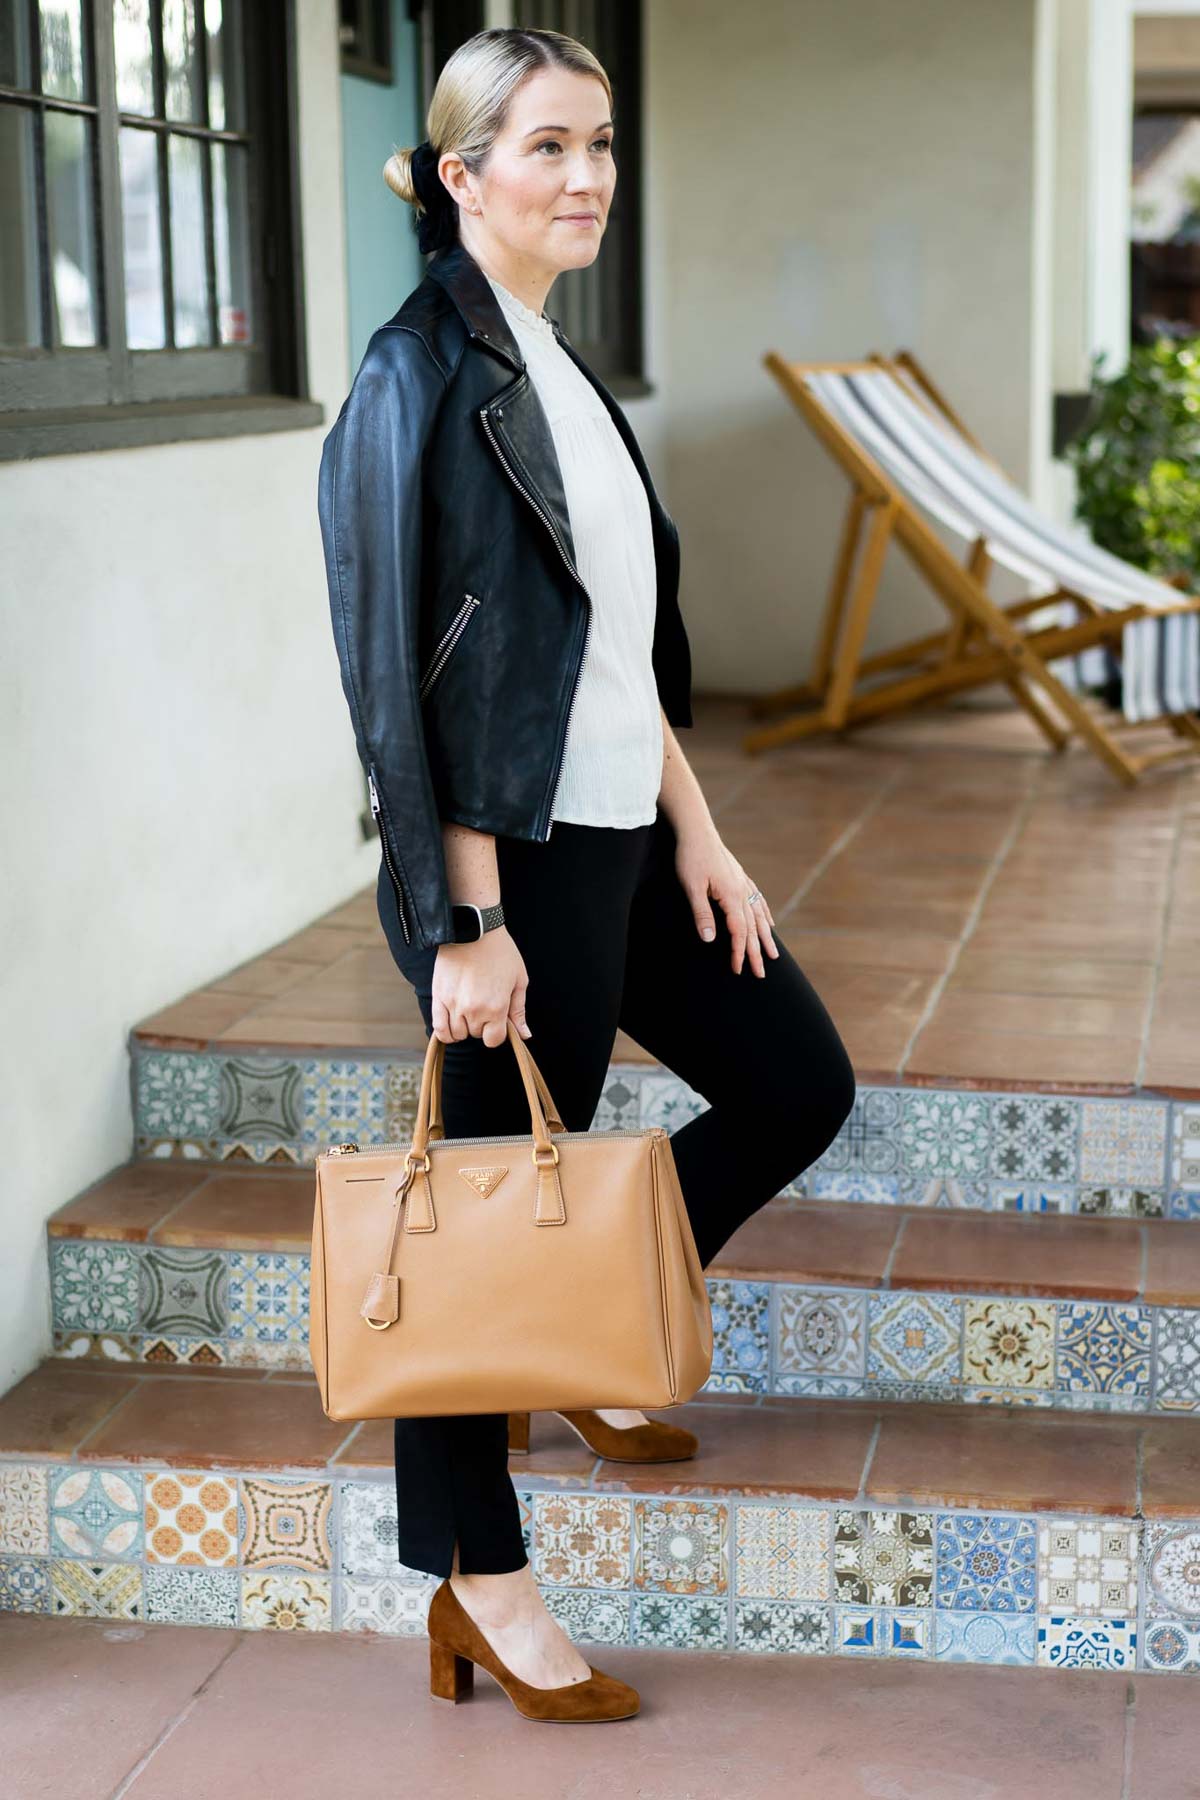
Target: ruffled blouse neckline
(518, 309)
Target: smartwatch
(470, 921)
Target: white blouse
(612, 760)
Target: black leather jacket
(459, 614)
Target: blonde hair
(474, 91)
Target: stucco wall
(180, 783)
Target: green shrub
(1137, 460)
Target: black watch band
(470, 921)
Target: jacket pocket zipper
(446, 643)
(397, 884)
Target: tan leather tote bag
(554, 1270)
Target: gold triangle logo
(485, 1180)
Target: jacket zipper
(553, 529)
(398, 885)
(447, 641)
(350, 1148)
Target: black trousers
(609, 940)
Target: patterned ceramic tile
(177, 1093)
(95, 1590)
(525, 1515)
(782, 1552)
(369, 1532)
(1088, 1568)
(619, 1106)
(985, 1637)
(982, 1396)
(986, 1562)
(943, 1193)
(945, 1134)
(266, 1154)
(98, 1346)
(268, 1299)
(286, 1524)
(1122, 1203)
(1035, 1138)
(1070, 1643)
(582, 1540)
(1185, 1147)
(95, 1513)
(858, 1631)
(258, 1353)
(183, 1292)
(741, 1336)
(821, 1337)
(1030, 1200)
(196, 1352)
(669, 1102)
(1172, 1569)
(24, 1502)
(681, 1621)
(94, 1285)
(590, 1617)
(871, 1190)
(384, 1604)
(1171, 1644)
(1008, 1343)
(343, 1100)
(1185, 1204)
(24, 1584)
(191, 1518)
(176, 1149)
(907, 1632)
(1177, 1359)
(681, 1546)
(927, 1392)
(774, 1626)
(914, 1337)
(401, 1089)
(867, 1146)
(191, 1596)
(287, 1602)
(883, 1558)
(1104, 1349)
(1123, 1142)
(261, 1100)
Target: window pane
(20, 309)
(14, 43)
(145, 315)
(226, 108)
(131, 45)
(231, 228)
(72, 230)
(189, 273)
(182, 65)
(62, 49)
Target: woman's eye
(553, 144)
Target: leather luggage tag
(382, 1299)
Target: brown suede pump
(654, 1441)
(456, 1644)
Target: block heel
(451, 1676)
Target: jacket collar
(456, 270)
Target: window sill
(70, 430)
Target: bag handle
(381, 1303)
(437, 1128)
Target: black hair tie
(437, 225)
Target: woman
(503, 583)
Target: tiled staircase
(948, 1416)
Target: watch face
(468, 924)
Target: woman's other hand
(478, 987)
(706, 867)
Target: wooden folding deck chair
(985, 641)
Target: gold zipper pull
(346, 1149)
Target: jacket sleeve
(370, 507)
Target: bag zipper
(553, 529)
(350, 1148)
(397, 884)
(447, 641)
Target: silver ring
(756, 895)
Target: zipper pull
(346, 1149)
(374, 793)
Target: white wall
(827, 180)
(180, 786)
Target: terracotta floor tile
(264, 975)
(127, 1204)
(1171, 1468)
(211, 1422)
(54, 1409)
(1024, 1058)
(816, 1242)
(1178, 1074)
(370, 1448)
(989, 1456)
(247, 1211)
(990, 1254)
(794, 1449)
(1172, 1264)
(295, 1033)
(194, 1021)
(1078, 1014)
(869, 949)
(979, 971)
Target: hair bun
(397, 172)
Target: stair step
(174, 1262)
(969, 1534)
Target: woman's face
(541, 202)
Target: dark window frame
(56, 399)
(366, 40)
